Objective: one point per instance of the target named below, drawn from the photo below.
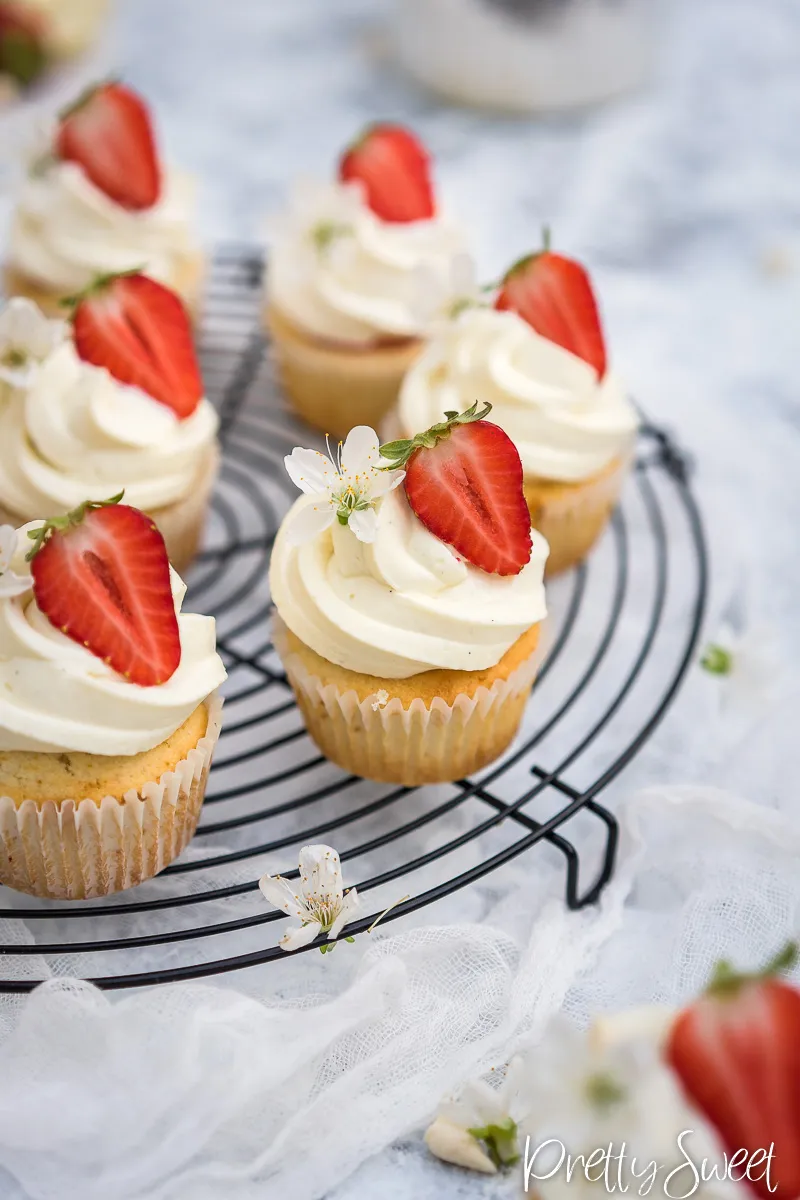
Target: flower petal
(364, 524)
(17, 377)
(300, 935)
(350, 906)
(477, 1105)
(14, 585)
(281, 894)
(463, 276)
(25, 328)
(309, 522)
(8, 546)
(320, 874)
(426, 293)
(312, 472)
(385, 481)
(360, 455)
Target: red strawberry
(139, 331)
(22, 53)
(464, 482)
(108, 132)
(554, 295)
(101, 576)
(394, 168)
(737, 1053)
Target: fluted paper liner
(378, 738)
(81, 849)
(572, 516)
(334, 388)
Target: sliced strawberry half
(554, 295)
(22, 52)
(139, 331)
(101, 576)
(464, 482)
(393, 167)
(108, 132)
(736, 1051)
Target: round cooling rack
(622, 631)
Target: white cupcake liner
(81, 849)
(380, 738)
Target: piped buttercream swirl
(56, 696)
(405, 602)
(565, 422)
(341, 273)
(65, 231)
(76, 433)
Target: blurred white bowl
(526, 55)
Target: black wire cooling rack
(623, 630)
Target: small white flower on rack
(318, 898)
(26, 338)
(347, 487)
(437, 302)
(479, 1129)
(11, 584)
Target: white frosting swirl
(56, 696)
(65, 231)
(77, 433)
(403, 603)
(339, 272)
(566, 424)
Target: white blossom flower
(439, 300)
(26, 338)
(318, 222)
(11, 584)
(318, 899)
(478, 1129)
(589, 1095)
(347, 489)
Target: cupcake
(108, 706)
(96, 200)
(112, 400)
(407, 617)
(348, 269)
(538, 356)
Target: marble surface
(683, 200)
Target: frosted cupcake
(108, 708)
(89, 416)
(345, 272)
(408, 616)
(97, 200)
(538, 358)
